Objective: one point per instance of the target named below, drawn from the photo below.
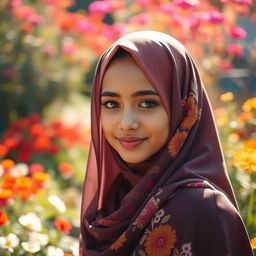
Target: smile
(130, 142)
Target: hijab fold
(115, 192)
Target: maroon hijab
(115, 192)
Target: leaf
(165, 219)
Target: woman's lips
(130, 142)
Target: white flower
(31, 246)
(9, 241)
(19, 170)
(54, 251)
(42, 239)
(75, 249)
(57, 203)
(31, 221)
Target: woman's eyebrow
(138, 93)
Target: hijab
(115, 192)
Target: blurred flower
(62, 224)
(226, 65)
(3, 218)
(99, 7)
(235, 49)
(66, 169)
(57, 203)
(9, 73)
(214, 17)
(249, 105)
(75, 249)
(3, 150)
(253, 243)
(140, 19)
(5, 195)
(233, 137)
(49, 50)
(54, 251)
(35, 19)
(84, 25)
(9, 241)
(251, 143)
(42, 239)
(245, 158)
(167, 8)
(31, 246)
(186, 3)
(7, 164)
(31, 221)
(35, 167)
(238, 32)
(228, 96)
(19, 170)
(69, 48)
(1, 170)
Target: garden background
(48, 53)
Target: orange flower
(7, 164)
(176, 143)
(62, 224)
(228, 96)
(249, 105)
(253, 243)
(24, 182)
(251, 143)
(3, 218)
(5, 194)
(119, 242)
(68, 254)
(66, 169)
(192, 114)
(245, 158)
(161, 241)
(40, 176)
(9, 182)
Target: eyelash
(150, 104)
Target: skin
(134, 120)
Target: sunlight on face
(134, 120)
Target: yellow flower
(119, 242)
(253, 243)
(249, 105)
(161, 241)
(228, 96)
(245, 158)
(176, 143)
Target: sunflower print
(176, 143)
(161, 241)
(192, 113)
(119, 242)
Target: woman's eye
(149, 104)
(110, 104)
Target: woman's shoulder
(200, 202)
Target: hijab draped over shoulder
(115, 193)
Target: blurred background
(48, 53)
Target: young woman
(156, 183)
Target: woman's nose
(128, 120)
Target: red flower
(3, 150)
(66, 169)
(235, 49)
(36, 168)
(63, 225)
(3, 218)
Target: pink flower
(167, 9)
(146, 214)
(186, 3)
(235, 49)
(85, 26)
(99, 7)
(23, 12)
(9, 73)
(114, 31)
(35, 19)
(238, 33)
(15, 3)
(68, 48)
(249, 2)
(49, 50)
(214, 17)
(226, 65)
(141, 19)
(142, 2)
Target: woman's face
(134, 120)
